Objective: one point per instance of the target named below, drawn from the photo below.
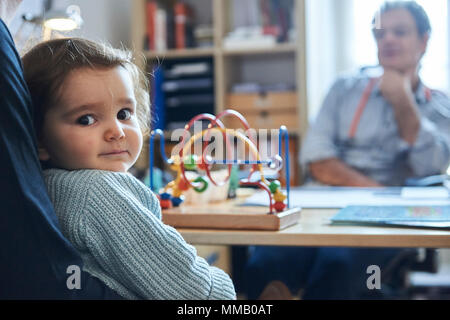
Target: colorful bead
(274, 186)
(165, 196)
(279, 196)
(177, 201)
(190, 162)
(203, 187)
(183, 185)
(176, 193)
(166, 204)
(279, 206)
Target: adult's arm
(34, 256)
(430, 153)
(319, 155)
(334, 172)
(425, 135)
(397, 88)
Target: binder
(180, 11)
(151, 8)
(158, 109)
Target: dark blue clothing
(34, 256)
(321, 273)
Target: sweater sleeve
(132, 244)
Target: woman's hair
(48, 64)
(418, 13)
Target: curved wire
(153, 134)
(284, 132)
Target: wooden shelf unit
(225, 59)
(181, 53)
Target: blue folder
(401, 216)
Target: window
(435, 63)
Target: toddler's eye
(124, 114)
(86, 120)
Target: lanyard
(363, 102)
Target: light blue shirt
(377, 150)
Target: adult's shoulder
(440, 104)
(440, 95)
(350, 82)
(353, 80)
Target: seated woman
(34, 255)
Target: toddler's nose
(114, 132)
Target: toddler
(91, 109)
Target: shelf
(279, 63)
(204, 52)
(181, 53)
(278, 48)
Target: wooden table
(314, 229)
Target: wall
(33, 7)
(320, 51)
(448, 44)
(105, 20)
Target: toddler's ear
(43, 154)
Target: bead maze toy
(171, 197)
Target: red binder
(180, 11)
(152, 7)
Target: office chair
(395, 277)
(412, 260)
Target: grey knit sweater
(114, 221)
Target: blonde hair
(48, 64)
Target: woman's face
(94, 125)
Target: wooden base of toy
(235, 218)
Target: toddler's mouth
(114, 152)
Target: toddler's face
(94, 125)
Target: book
(158, 108)
(189, 69)
(189, 84)
(161, 30)
(404, 216)
(180, 12)
(189, 100)
(151, 8)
